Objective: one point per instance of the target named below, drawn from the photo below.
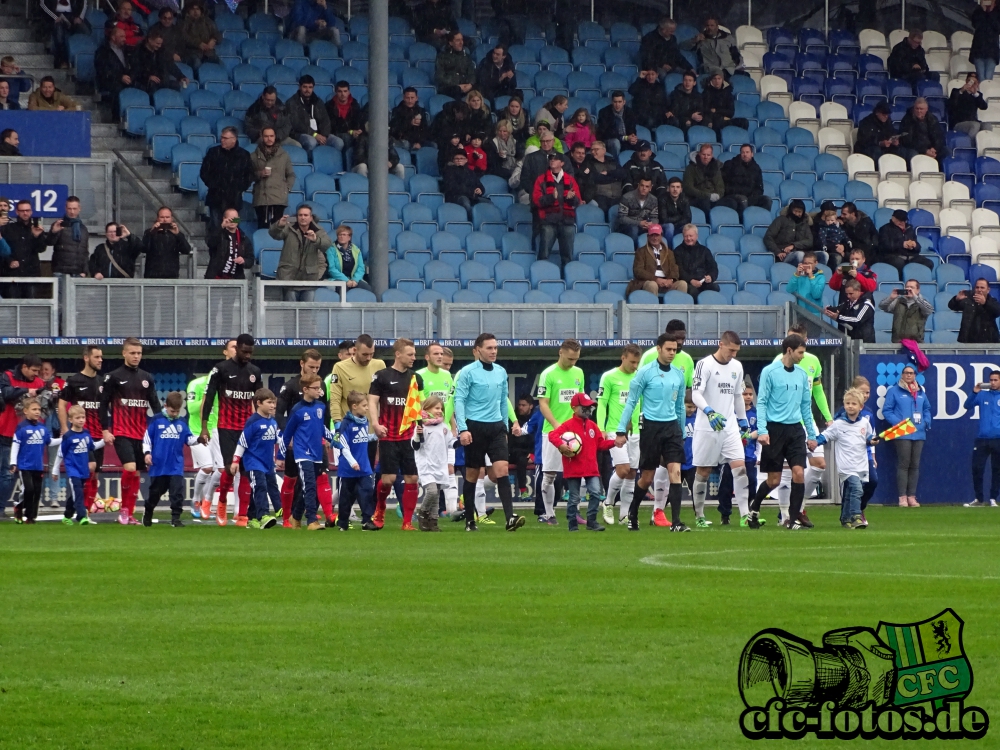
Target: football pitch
(208, 637)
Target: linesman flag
(906, 427)
(411, 412)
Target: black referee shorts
(396, 457)
(660, 443)
(488, 439)
(787, 442)
(129, 451)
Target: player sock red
(225, 486)
(409, 502)
(243, 492)
(130, 490)
(90, 490)
(381, 493)
(287, 497)
(325, 494)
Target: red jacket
(12, 390)
(584, 463)
(866, 278)
(544, 199)
(477, 159)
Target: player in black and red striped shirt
(128, 396)
(84, 389)
(234, 381)
(386, 404)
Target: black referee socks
(469, 493)
(637, 497)
(795, 498)
(503, 491)
(761, 494)
(674, 496)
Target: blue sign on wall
(47, 201)
(945, 468)
(65, 134)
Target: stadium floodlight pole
(749, 12)
(378, 153)
(902, 10)
(591, 11)
(827, 17)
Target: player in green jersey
(207, 459)
(438, 382)
(611, 397)
(682, 359)
(556, 387)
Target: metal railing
(29, 315)
(150, 201)
(165, 308)
(555, 322)
(88, 179)
(702, 322)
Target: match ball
(98, 506)
(114, 505)
(572, 441)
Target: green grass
(209, 637)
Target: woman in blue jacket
(904, 400)
(344, 261)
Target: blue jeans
(985, 68)
(308, 142)
(291, 294)
(565, 233)
(850, 499)
(264, 485)
(594, 494)
(7, 480)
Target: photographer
(909, 312)
(964, 105)
(303, 254)
(808, 281)
(70, 240)
(163, 245)
(979, 315)
(115, 257)
(987, 446)
(232, 252)
(857, 270)
(857, 312)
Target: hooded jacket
(701, 180)
(717, 52)
(259, 117)
(901, 404)
(785, 230)
(979, 322)
(584, 463)
(743, 178)
(909, 318)
(301, 259)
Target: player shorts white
(710, 448)
(216, 447)
(552, 459)
(201, 456)
(627, 454)
(818, 453)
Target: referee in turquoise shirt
(783, 407)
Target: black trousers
(900, 261)
(983, 451)
(32, 482)
(174, 487)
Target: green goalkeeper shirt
(611, 397)
(195, 398)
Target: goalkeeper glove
(716, 420)
(744, 429)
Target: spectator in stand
(170, 31)
(10, 71)
(641, 165)
(454, 69)
(164, 245)
(346, 120)
(638, 210)
(7, 101)
(857, 270)
(495, 75)
(659, 50)
(16, 383)
(50, 99)
(502, 152)
(452, 120)
(675, 209)
(67, 17)
(577, 156)
(115, 257)
(460, 184)
(409, 123)
(908, 61)
(27, 240)
(231, 253)
(922, 132)
(553, 112)
(979, 315)
(113, 68)
(877, 135)
(555, 198)
(716, 49)
(719, 105)
(964, 105)
(898, 245)
(697, 265)
(475, 155)
(344, 261)
(833, 243)
(480, 117)
(200, 36)
(361, 143)
(70, 242)
(790, 235)
(654, 268)
(703, 183)
(303, 254)
(649, 100)
(686, 107)
(308, 114)
(909, 311)
(985, 52)
(520, 125)
(602, 179)
(312, 19)
(542, 129)
(228, 172)
(534, 165)
(152, 67)
(580, 129)
(9, 143)
(269, 112)
(856, 314)
(616, 125)
(433, 22)
(275, 178)
(744, 181)
(123, 20)
(808, 282)
(860, 229)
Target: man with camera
(854, 269)
(115, 257)
(164, 245)
(909, 311)
(231, 254)
(71, 242)
(27, 241)
(979, 315)
(303, 254)
(856, 314)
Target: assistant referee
(481, 414)
(783, 407)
